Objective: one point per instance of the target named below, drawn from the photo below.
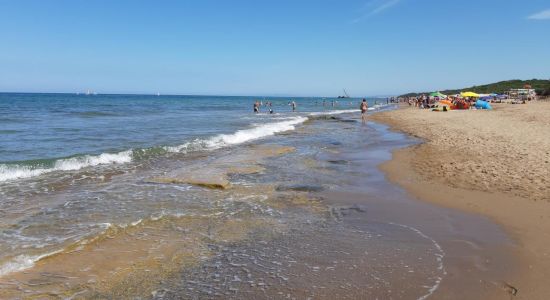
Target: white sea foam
(439, 258)
(240, 136)
(254, 133)
(10, 172)
(22, 262)
(77, 163)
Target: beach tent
(480, 104)
(469, 94)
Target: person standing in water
(364, 108)
(256, 107)
(293, 104)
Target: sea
(44, 133)
(170, 197)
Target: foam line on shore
(22, 262)
(439, 258)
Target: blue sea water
(40, 133)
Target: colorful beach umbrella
(438, 94)
(469, 94)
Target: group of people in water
(269, 104)
(364, 106)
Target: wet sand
(493, 163)
(433, 252)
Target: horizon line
(188, 95)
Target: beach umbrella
(470, 94)
(438, 94)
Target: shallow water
(299, 212)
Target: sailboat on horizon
(344, 96)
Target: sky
(260, 47)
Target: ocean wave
(10, 172)
(257, 131)
(240, 136)
(254, 133)
(22, 262)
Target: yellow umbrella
(469, 94)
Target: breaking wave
(21, 171)
(22, 262)
(10, 172)
(240, 136)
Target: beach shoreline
(490, 163)
(305, 213)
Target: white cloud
(375, 7)
(543, 15)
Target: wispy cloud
(375, 7)
(543, 15)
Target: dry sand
(495, 163)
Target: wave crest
(21, 171)
(10, 172)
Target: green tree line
(541, 86)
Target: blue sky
(299, 47)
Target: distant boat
(345, 95)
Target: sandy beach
(494, 163)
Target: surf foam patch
(10, 172)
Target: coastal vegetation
(541, 86)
